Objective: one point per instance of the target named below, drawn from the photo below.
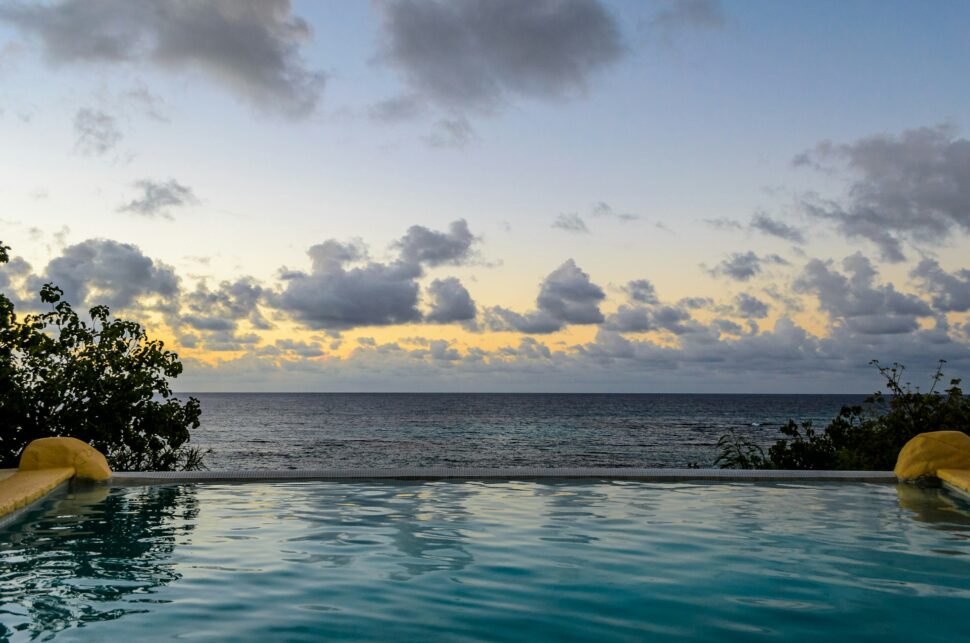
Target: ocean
(317, 430)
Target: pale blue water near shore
(300, 431)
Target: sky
(495, 195)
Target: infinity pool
(495, 561)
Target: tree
(870, 436)
(102, 381)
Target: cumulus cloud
(950, 292)
(910, 187)
(102, 271)
(336, 296)
(221, 309)
(13, 276)
(570, 222)
(95, 133)
(750, 307)
(855, 302)
(660, 317)
(744, 266)
(298, 348)
(642, 291)
(157, 198)
(344, 290)
(423, 246)
(630, 319)
(566, 296)
(450, 302)
(250, 47)
(479, 53)
(774, 227)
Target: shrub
(104, 382)
(738, 452)
(870, 436)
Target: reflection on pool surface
(495, 561)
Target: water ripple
(491, 561)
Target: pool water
(510, 561)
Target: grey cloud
(727, 326)
(570, 222)
(251, 47)
(724, 224)
(300, 349)
(750, 306)
(911, 187)
(854, 301)
(764, 223)
(157, 198)
(149, 103)
(441, 349)
(569, 296)
(949, 292)
(642, 291)
(566, 296)
(529, 348)
(688, 14)
(696, 303)
(450, 302)
(744, 266)
(674, 319)
(421, 245)
(188, 341)
(95, 132)
(454, 133)
(101, 271)
(639, 319)
(630, 319)
(221, 309)
(228, 341)
(337, 295)
(478, 53)
(396, 109)
(603, 209)
(12, 277)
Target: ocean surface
(315, 430)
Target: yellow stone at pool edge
(958, 479)
(927, 453)
(24, 487)
(53, 453)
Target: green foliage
(104, 382)
(869, 437)
(738, 452)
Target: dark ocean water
(301, 431)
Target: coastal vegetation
(99, 379)
(863, 437)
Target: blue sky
(494, 179)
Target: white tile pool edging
(506, 473)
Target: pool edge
(507, 473)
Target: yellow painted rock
(928, 452)
(53, 453)
(24, 487)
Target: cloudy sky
(496, 195)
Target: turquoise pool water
(618, 561)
